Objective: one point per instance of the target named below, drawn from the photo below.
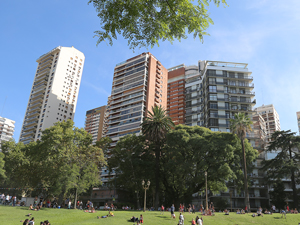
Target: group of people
(197, 221)
(8, 199)
(31, 222)
(137, 220)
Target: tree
(64, 161)
(190, 151)
(132, 163)
(278, 194)
(286, 163)
(241, 125)
(155, 128)
(145, 23)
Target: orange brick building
(176, 94)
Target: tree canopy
(185, 156)
(286, 163)
(145, 23)
(64, 161)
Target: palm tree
(240, 125)
(155, 127)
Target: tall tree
(64, 161)
(145, 23)
(190, 151)
(278, 195)
(132, 163)
(241, 125)
(286, 163)
(155, 128)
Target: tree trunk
(157, 156)
(247, 202)
(75, 199)
(138, 200)
(295, 196)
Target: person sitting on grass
(31, 207)
(242, 211)
(226, 212)
(141, 219)
(296, 211)
(193, 222)
(110, 214)
(31, 222)
(238, 212)
(259, 213)
(25, 222)
(267, 212)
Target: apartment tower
(94, 122)
(139, 83)
(54, 92)
(271, 117)
(176, 94)
(7, 128)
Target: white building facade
(271, 117)
(54, 92)
(7, 128)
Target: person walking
(172, 211)
(162, 209)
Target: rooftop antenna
(3, 106)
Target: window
(212, 88)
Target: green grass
(13, 215)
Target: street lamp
(146, 187)
(206, 190)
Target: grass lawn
(13, 215)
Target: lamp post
(146, 187)
(206, 191)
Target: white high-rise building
(7, 128)
(271, 117)
(54, 92)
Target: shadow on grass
(276, 218)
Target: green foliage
(278, 195)
(155, 128)
(2, 171)
(220, 203)
(145, 23)
(287, 160)
(184, 157)
(156, 125)
(62, 161)
(132, 163)
(190, 151)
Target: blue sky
(263, 33)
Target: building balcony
(33, 114)
(240, 93)
(27, 133)
(27, 139)
(42, 78)
(250, 85)
(32, 109)
(33, 122)
(29, 128)
(33, 97)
